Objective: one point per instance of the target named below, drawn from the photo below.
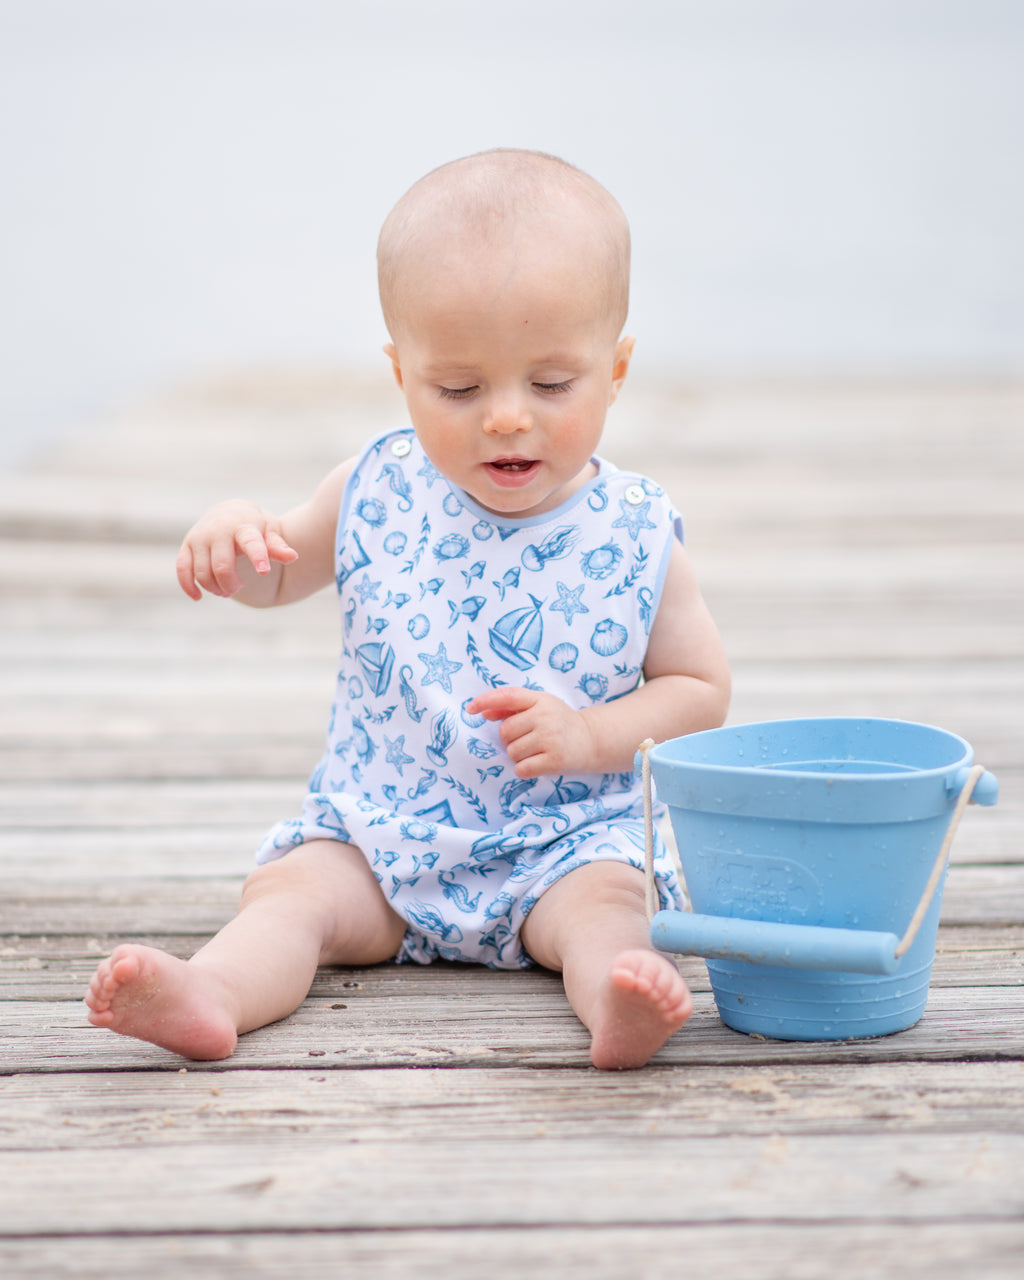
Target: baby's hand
(208, 556)
(541, 733)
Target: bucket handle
(875, 944)
(966, 791)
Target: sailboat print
(517, 636)
(359, 561)
(377, 661)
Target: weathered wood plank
(498, 1024)
(57, 1113)
(306, 1183)
(781, 1250)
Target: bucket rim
(661, 753)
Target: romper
(441, 599)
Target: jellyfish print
(431, 922)
(554, 547)
(443, 732)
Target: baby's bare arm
(237, 549)
(686, 688)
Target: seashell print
(394, 543)
(608, 638)
(563, 657)
(474, 722)
(419, 626)
(482, 530)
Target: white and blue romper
(440, 600)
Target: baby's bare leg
(320, 904)
(592, 925)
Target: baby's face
(509, 360)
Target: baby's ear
(620, 366)
(391, 351)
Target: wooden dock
(863, 550)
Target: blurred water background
(817, 188)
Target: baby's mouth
(513, 465)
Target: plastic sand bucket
(814, 853)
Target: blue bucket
(807, 846)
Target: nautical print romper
(441, 599)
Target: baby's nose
(505, 413)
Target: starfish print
(367, 590)
(429, 472)
(569, 602)
(396, 753)
(440, 668)
(634, 518)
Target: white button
(401, 447)
(635, 494)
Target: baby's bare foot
(644, 1001)
(153, 996)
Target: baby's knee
(614, 884)
(283, 875)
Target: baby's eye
(455, 393)
(554, 388)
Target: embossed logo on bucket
(758, 888)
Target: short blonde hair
(483, 195)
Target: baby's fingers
(250, 542)
(500, 703)
(215, 569)
(279, 550)
(185, 568)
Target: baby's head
(504, 281)
(498, 212)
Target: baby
(517, 616)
